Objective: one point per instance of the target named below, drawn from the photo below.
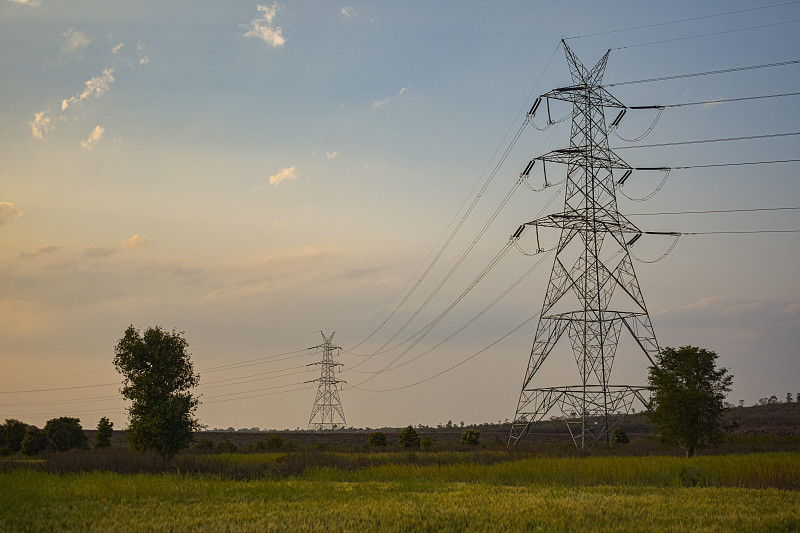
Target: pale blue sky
(251, 175)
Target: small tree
(14, 433)
(425, 442)
(105, 428)
(788, 397)
(377, 438)
(618, 437)
(158, 378)
(471, 437)
(408, 438)
(65, 433)
(34, 442)
(688, 394)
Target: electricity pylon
(591, 263)
(327, 403)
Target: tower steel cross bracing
(327, 412)
(591, 263)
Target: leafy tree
(425, 442)
(470, 436)
(408, 438)
(4, 448)
(688, 395)
(618, 437)
(14, 433)
(105, 429)
(65, 433)
(158, 378)
(377, 438)
(788, 397)
(34, 442)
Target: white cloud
(712, 103)
(116, 49)
(348, 11)
(96, 87)
(285, 174)
(135, 241)
(32, 3)
(41, 250)
(331, 155)
(74, 41)
(96, 135)
(262, 27)
(8, 212)
(40, 125)
(384, 101)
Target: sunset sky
(251, 174)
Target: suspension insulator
(633, 240)
(528, 168)
(518, 232)
(625, 177)
(534, 107)
(619, 118)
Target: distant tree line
(58, 435)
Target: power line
(712, 102)
(749, 137)
(467, 212)
(707, 34)
(707, 73)
(682, 20)
(715, 211)
(732, 164)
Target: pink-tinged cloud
(285, 174)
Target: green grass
(734, 493)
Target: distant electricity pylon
(592, 264)
(327, 412)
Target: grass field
(755, 492)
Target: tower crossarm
(578, 221)
(595, 156)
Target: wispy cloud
(712, 103)
(348, 11)
(377, 104)
(331, 155)
(94, 137)
(285, 174)
(135, 241)
(74, 41)
(40, 125)
(262, 27)
(32, 3)
(41, 250)
(96, 87)
(141, 52)
(8, 212)
(117, 48)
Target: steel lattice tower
(591, 265)
(327, 404)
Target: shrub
(65, 433)
(470, 436)
(205, 444)
(34, 442)
(226, 446)
(425, 442)
(408, 438)
(273, 442)
(618, 437)
(105, 428)
(377, 438)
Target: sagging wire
(525, 174)
(658, 188)
(550, 122)
(539, 250)
(662, 256)
(615, 126)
